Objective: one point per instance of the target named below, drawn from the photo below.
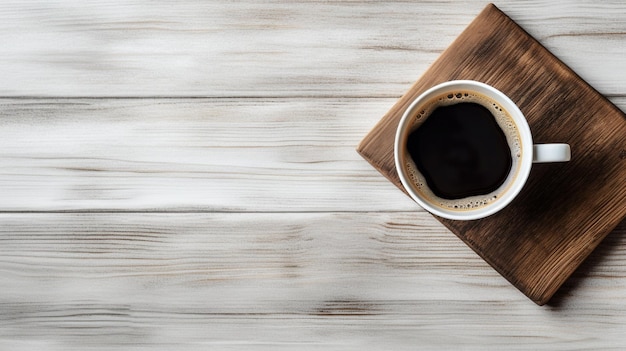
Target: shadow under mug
(524, 152)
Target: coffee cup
(463, 150)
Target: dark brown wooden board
(565, 209)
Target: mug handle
(551, 153)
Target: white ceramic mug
(525, 153)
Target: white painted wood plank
(277, 48)
(282, 281)
(194, 154)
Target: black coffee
(461, 151)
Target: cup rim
(525, 139)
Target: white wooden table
(182, 176)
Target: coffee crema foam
(504, 121)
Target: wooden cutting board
(565, 209)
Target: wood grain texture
(267, 281)
(273, 48)
(540, 238)
(182, 175)
(182, 155)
